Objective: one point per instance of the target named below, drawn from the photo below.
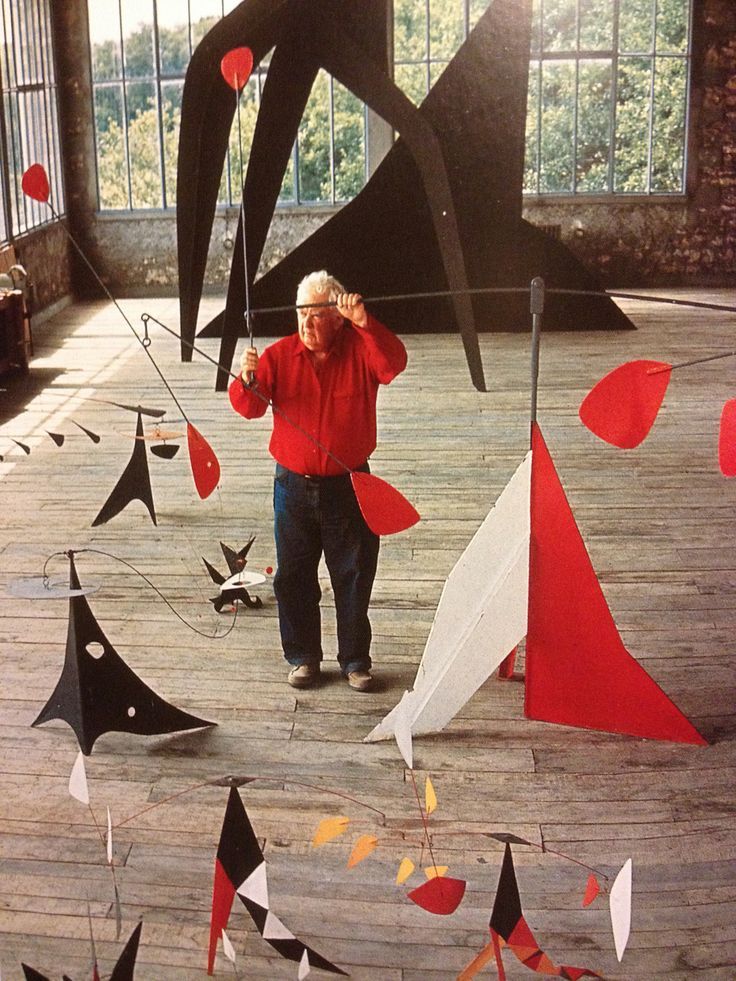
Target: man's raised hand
(249, 362)
(350, 306)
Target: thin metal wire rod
(686, 364)
(518, 290)
(256, 391)
(120, 310)
(248, 314)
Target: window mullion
(5, 175)
(614, 97)
(159, 106)
(331, 105)
(652, 95)
(124, 88)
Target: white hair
(318, 282)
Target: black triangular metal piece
(124, 969)
(134, 483)
(31, 974)
(167, 451)
(236, 561)
(97, 691)
(215, 576)
(507, 906)
(88, 432)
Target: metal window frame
(29, 117)
(159, 78)
(577, 55)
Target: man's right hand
(249, 363)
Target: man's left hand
(350, 306)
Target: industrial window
(607, 107)
(140, 51)
(29, 125)
(608, 87)
(608, 93)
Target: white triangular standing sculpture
(488, 585)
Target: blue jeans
(312, 516)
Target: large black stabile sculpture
(97, 692)
(443, 210)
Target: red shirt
(337, 408)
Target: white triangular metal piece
(304, 966)
(227, 947)
(402, 730)
(109, 837)
(619, 901)
(78, 780)
(274, 929)
(255, 887)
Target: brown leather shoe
(303, 676)
(360, 680)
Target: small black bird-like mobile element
(235, 588)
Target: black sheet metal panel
(324, 35)
(443, 210)
(208, 107)
(97, 692)
(134, 483)
(384, 241)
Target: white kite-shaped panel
(480, 619)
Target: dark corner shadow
(20, 389)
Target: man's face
(318, 326)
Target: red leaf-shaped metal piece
(35, 183)
(441, 895)
(236, 67)
(204, 463)
(727, 440)
(591, 890)
(385, 510)
(622, 407)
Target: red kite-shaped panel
(35, 183)
(441, 895)
(385, 510)
(578, 671)
(622, 406)
(727, 440)
(204, 463)
(236, 67)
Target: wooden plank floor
(659, 524)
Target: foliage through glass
(606, 101)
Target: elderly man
(323, 383)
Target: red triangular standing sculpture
(578, 671)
